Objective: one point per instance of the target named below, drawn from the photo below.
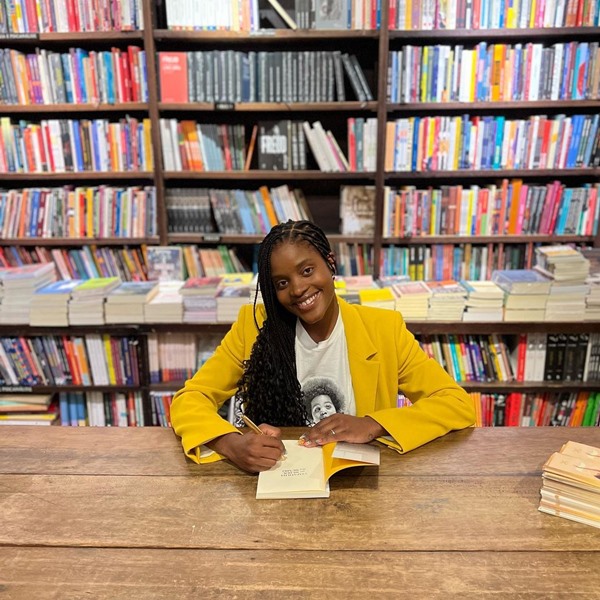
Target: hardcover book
(357, 210)
(305, 472)
(274, 145)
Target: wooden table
(120, 513)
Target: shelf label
(19, 36)
(224, 106)
(16, 388)
(211, 237)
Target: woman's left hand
(343, 428)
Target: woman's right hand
(251, 452)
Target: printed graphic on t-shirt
(323, 398)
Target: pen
(252, 425)
(257, 429)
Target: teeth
(308, 301)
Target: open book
(306, 471)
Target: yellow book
(306, 471)
(108, 357)
(148, 163)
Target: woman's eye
(280, 285)
(308, 270)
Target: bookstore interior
(449, 150)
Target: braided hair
(269, 390)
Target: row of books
(29, 16)
(489, 14)
(177, 356)
(451, 143)
(470, 357)
(232, 76)
(83, 212)
(230, 15)
(191, 146)
(495, 72)
(557, 357)
(77, 77)
(129, 264)
(75, 145)
(201, 210)
(93, 359)
(513, 208)
(102, 409)
(518, 409)
(454, 261)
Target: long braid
(269, 390)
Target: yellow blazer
(384, 359)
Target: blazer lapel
(363, 359)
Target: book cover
(173, 73)
(306, 471)
(357, 210)
(165, 263)
(274, 145)
(521, 281)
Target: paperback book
(306, 471)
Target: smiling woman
(304, 333)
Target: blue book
(80, 408)
(63, 287)
(66, 68)
(65, 415)
(576, 128)
(563, 211)
(80, 54)
(593, 132)
(110, 77)
(34, 210)
(77, 144)
(96, 124)
(73, 410)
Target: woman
(304, 331)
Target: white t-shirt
(324, 373)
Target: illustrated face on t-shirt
(321, 406)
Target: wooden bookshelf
(372, 47)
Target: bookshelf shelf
(295, 176)
(264, 36)
(71, 37)
(503, 328)
(80, 176)
(532, 105)
(225, 238)
(491, 387)
(113, 241)
(486, 174)
(74, 108)
(488, 239)
(50, 389)
(492, 35)
(272, 107)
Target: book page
(301, 475)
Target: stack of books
(27, 409)
(571, 484)
(125, 303)
(569, 270)
(50, 304)
(447, 301)
(485, 301)
(86, 306)
(167, 304)
(233, 292)
(17, 287)
(526, 293)
(412, 299)
(200, 299)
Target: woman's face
(320, 407)
(304, 286)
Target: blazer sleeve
(439, 404)
(194, 410)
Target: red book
(134, 65)
(352, 143)
(126, 78)
(592, 202)
(173, 76)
